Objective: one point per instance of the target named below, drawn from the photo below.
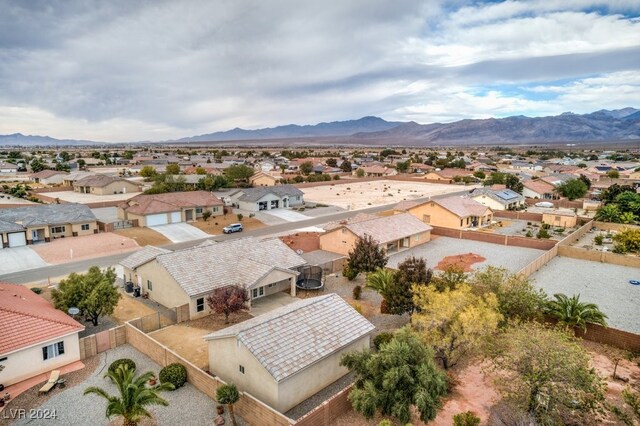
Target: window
(52, 351)
(271, 285)
(416, 237)
(58, 229)
(85, 227)
(257, 292)
(198, 210)
(215, 209)
(200, 304)
(242, 369)
(149, 285)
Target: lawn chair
(53, 379)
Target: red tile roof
(169, 202)
(539, 186)
(27, 319)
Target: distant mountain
(334, 128)
(18, 139)
(623, 124)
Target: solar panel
(506, 194)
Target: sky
(133, 70)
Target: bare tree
(227, 300)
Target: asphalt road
(40, 274)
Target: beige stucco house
(173, 207)
(393, 233)
(265, 179)
(267, 198)
(447, 175)
(35, 337)
(501, 199)
(104, 185)
(450, 212)
(42, 223)
(188, 276)
(287, 355)
(560, 218)
(48, 177)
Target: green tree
(513, 183)
(586, 180)
(37, 165)
(570, 311)
(238, 173)
(366, 256)
(380, 280)
(627, 240)
(452, 276)
(134, 395)
(64, 156)
(148, 172)
(454, 322)
(496, 178)
(81, 163)
(545, 372)
(306, 168)
(173, 169)
(412, 271)
(613, 174)
(400, 375)
(228, 395)
(572, 189)
(403, 166)
(212, 183)
(201, 171)
(608, 213)
(360, 173)
(480, 174)
(628, 202)
(94, 293)
(609, 194)
(331, 162)
(346, 166)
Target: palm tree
(134, 395)
(608, 213)
(228, 395)
(380, 280)
(573, 313)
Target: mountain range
(602, 125)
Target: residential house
(524, 166)
(8, 168)
(35, 337)
(72, 177)
(104, 185)
(48, 177)
(267, 198)
(503, 199)
(189, 276)
(447, 175)
(41, 223)
(450, 212)
(172, 207)
(420, 168)
(537, 188)
(289, 354)
(378, 171)
(392, 233)
(560, 218)
(265, 179)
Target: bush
(528, 234)
(598, 239)
(357, 292)
(466, 419)
(381, 339)
(543, 233)
(240, 216)
(122, 361)
(175, 373)
(206, 215)
(357, 307)
(36, 290)
(349, 273)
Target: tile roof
(143, 256)
(451, 173)
(48, 214)
(170, 202)
(387, 228)
(10, 227)
(254, 194)
(407, 204)
(235, 262)
(539, 186)
(503, 196)
(462, 206)
(77, 176)
(27, 319)
(293, 337)
(44, 174)
(99, 181)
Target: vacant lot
(360, 195)
(77, 197)
(85, 247)
(305, 241)
(601, 283)
(144, 236)
(215, 224)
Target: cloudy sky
(125, 70)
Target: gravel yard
(512, 258)
(78, 197)
(601, 283)
(85, 247)
(187, 405)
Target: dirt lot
(464, 261)
(360, 195)
(144, 236)
(85, 247)
(305, 241)
(129, 308)
(215, 224)
(77, 197)
(186, 338)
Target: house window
(241, 369)
(416, 237)
(58, 229)
(198, 210)
(85, 227)
(149, 285)
(52, 351)
(200, 304)
(461, 222)
(257, 292)
(215, 209)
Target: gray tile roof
(143, 256)
(10, 227)
(254, 194)
(503, 196)
(244, 261)
(49, 214)
(387, 228)
(293, 337)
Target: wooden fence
(103, 341)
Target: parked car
(234, 227)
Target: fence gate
(122, 224)
(102, 341)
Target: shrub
(349, 273)
(357, 292)
(543, 233)
(528, 234)
(598, 239)
(36, 290)
(381, 339)
(122, 361)
(240, 216)
(206, 215)
(357, 307)
(467, 418)
(175, 373)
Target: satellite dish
(299, 251)
(73, 311)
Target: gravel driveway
(187, 405)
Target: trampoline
(310, 278)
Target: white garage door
(176, 217)
(17, 239)
(157, 219)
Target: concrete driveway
(19, 259)
(286, 215)
(180, 232)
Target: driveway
(180, 232)
(286, 215)
(19, 259)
